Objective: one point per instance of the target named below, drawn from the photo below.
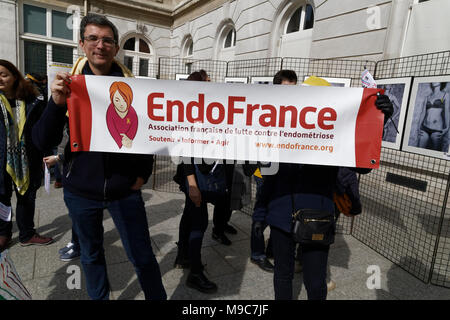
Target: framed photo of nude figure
(397, 89)
(428, 118)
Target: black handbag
(312, 226)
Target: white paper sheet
(47, 179)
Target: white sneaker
(70, 255)
(66, 248)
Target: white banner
(316, 125)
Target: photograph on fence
(262, 80)
(428, 119)
(397, 89)
(181, 76)
(236, 80)
(339, 82)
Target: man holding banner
(94, 181)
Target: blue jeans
(75, 241)
(314, 261)
(257, 242)
(130, 220)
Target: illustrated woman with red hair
(121, 117)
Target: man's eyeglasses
(94, 40)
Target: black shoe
(201, 283)
(230, 229)
(264, 264)
(222, 238)
(181, 263)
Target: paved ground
(45, 275)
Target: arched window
(191, 49)
(138, 55)
(187, 52)
(309, 18)
(293, 28)
(301, 19)
(230, 40)
(187, 48)
(226, 41)
(294, 22)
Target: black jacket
(93, 175)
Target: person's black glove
(384, 105)
(258, 228)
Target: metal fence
(424, 65)
(406, 214)
(329, 68)
(170, 67)
(403, 203)
(254, 67)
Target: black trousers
(24, 211)
(222, 215)
(193, 225)
(314, 261)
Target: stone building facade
(39, 31)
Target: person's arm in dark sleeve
(48, 130)
(193, 191)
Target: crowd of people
(32, 128)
